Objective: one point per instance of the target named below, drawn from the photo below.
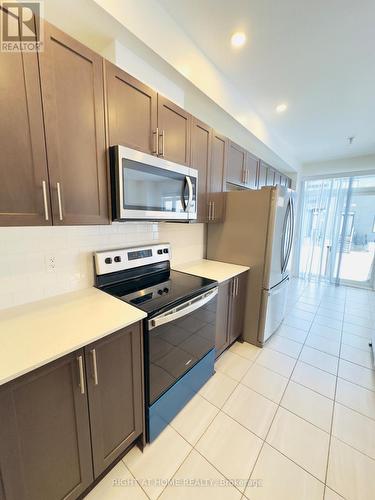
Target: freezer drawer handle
(278, 288)
(182, 310)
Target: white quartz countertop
(212, 269)
(34, 334)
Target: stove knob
(166, 290)
(160, 292)
(108, 260)
(165, 250)
(160, 252)
(117, 258)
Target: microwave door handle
(181, 311)
(190, 187)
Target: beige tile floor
(292, 421)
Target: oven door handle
(182, 310)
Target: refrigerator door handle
(291, 232)
(283, 253)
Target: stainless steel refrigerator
(258, 232)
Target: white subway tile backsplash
(39, 262)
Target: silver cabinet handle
(156, 141)
(59, 200)
(94, 366)
(81, 374)
(210, 211)
(243, 175)
(162, 135)
(213, 210)
(45, 200)
(236, 287)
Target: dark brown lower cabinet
(222, 317)
(230, 311)
(46, 448)
(237, 309)
(115, 394)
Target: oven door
(151, 188)
(177, 339)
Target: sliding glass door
(337, 233)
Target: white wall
(86, 21)
(339, 166)
(26, 273)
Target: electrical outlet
(51, 263)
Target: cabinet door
(24, 191)
(219, 156)
(237, 306)
(73, 100)
(270, 176)
(45, 450)
(284, 180)
(174, 132)
(200, 160)
(222, 317)
(236, 164)
(132, 111)
(251, 171)
(262, 175)
(115, 394)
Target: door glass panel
(357, 236)
(337, 238)
(147, 187)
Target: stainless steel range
(179, 331)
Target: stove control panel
(110, 261)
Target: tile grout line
(238, 382)
(334, 404)
(278, 406)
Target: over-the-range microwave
(147, 187)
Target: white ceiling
(316, 55)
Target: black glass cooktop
(155, 291)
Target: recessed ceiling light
(238, 39)
(281, 107)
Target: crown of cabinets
(53, 162)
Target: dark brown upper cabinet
(236, 169)
(201, 141)
(174, 130)
(45, 447)
(270, 181)
(114, 382)
(251, 171)
(132, 111)
(73, 102)
(24, 189)
(262, 175)
(278, 179)
(216, 181)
